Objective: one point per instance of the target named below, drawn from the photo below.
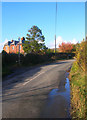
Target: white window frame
(6, 47)
(12, 47)
(20, 47)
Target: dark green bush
(10, 59)
(32, 59)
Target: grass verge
(78, 92)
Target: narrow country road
(29, 95)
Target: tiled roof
(14, 42)
(8, 43)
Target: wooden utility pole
(55, 28)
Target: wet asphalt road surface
(28, 95)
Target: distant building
(13, 46)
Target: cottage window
(13, 47)
(6, 47)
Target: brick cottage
(13, 46)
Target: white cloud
(2, 44)
(59, 40)
(74, 41)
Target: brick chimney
(12, 40)
(22, 38)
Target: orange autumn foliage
(65, 47)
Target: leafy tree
(35, 41)
(81, 55)
(50, 50)
(65, 47)
(75, 47)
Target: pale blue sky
(18, 17)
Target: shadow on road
(10, 83)
(20, 78)
(31, 99)
(33, 92)
(20, 71)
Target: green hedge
(78, 83)
(11, 59)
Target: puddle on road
(64, 91)
(58, 105)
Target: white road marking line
(33, 78)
